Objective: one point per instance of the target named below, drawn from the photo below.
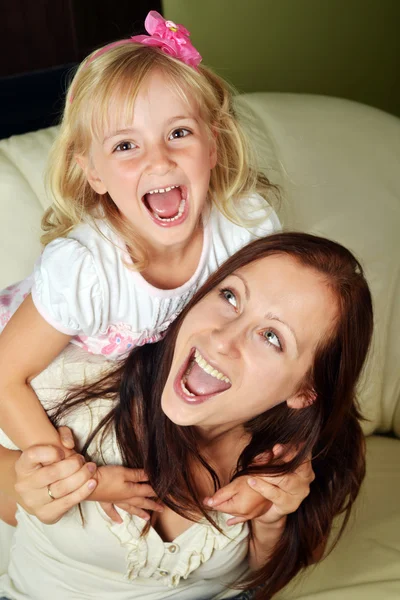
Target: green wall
(347, 48)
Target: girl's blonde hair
(102, 91)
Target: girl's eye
(272, 339)
(179, 133)
(124, 146)
(229, 296)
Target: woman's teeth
(186, 391)
(194, 385)
(178, 214)
(203, 364)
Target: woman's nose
(227, 339)
(159, 160)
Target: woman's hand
(48, 485)
(266, 499)
(127, 489)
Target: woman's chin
(177, 411)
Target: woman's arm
(28, 344)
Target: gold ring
(49, 493)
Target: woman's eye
(124, 146)
(271, 338)
(179, 133)
(229, 297)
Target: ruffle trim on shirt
(148, 556)
(119, 339)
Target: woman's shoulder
(73, 367)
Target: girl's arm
(238, 499)
(28, 344)
(25, 477)
(264, 538)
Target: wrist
(98, 493)
(278, 525)
(264, 537)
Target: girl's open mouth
(167, 206)
(198, 381)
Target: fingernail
(209, 502)
(146, 518)
(92, 467)
(252, 482)
(91, 484)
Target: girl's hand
(269, 498)
(41, 471)
(126, 488)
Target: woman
(268, 352)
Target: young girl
(153, 188)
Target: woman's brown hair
(328, 428)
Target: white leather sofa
(338, 166)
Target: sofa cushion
(337, 163)
(365, 563)
(22, 201)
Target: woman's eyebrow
(246, 287)
(271, 317)
(268, 316)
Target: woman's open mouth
(198, 381)
(169, 206)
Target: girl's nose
(159, 160)
(227, 339)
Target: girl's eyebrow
(182, 118)
(128, 130)
(118, 132)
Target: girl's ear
(91, 174)
(302, 399)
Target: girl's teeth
(203, 364)
(163, 190)
(179, 213)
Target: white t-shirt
(83, 287)
(103, 560)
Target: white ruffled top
(110, 561)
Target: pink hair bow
(173, 39)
